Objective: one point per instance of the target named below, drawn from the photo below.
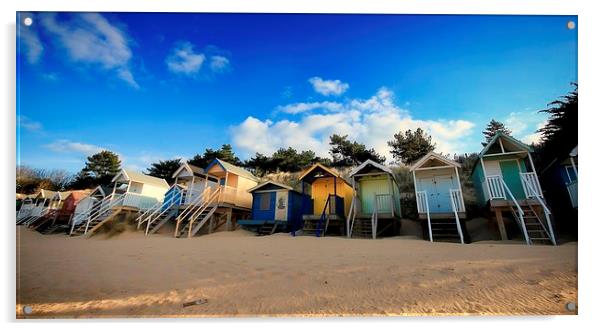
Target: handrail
(494, 188)
(103, 209)
(428, 211)
(375, 216)
(323, 215)
(455, 209)
(351, 216)
(546, 213)
(84, 215)
(147, 216)
(521, 213)
(207, 203)
(162, 211)
(531, 178)
(198, 201)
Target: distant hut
(439, 198)
(133, 192)
(376, 207)
(276, 207)
(331, 197)
(506, 182)
(39, 206)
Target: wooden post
(229, 220)
(574, 166)
(500, 224)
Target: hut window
(264, 201)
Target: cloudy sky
(159, 86)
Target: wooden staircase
(536, 231)
(155, 224)
(87, 228)
(445, 229)
(362, 228)
(195, 216)
(54, 228)
(267, 229)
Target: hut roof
(79, 194)
(269, 182)
(229, 167)
(500, 135)
(318, 170)
(139, 177)
(434, 156)
(368, 165)
(45, 194)
(196, 171)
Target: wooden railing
(520, 211)
(533, 189)
(161, 207)
(352, 214)
(423, 207)
(573, 192)
(495, 187)
(456, 202)
(547, 212)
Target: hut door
(442, 185)
(368, 189)
(281, 205)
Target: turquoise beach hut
(276, 207)
(506, 183)
(376, 207)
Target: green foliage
(30, 180)
(225, 153)
(559, 135)
(164, 169)
(492, 128)
(347, 153)
(410, 146)
(102, 167)
(284, 159)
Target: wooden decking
(437, 216)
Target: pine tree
(164, 169)
(225, 153)
(102, 167)
(410, 146)
(492, 128)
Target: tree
(164, 169)
(492, 128)
(82, 180)
(559, 135)
(225, 153)
(30, 180)
(410, 146)
(345, 152)
(102, 167)
(260, 164)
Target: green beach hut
(375, 208)
(505, 181)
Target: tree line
(558, 136)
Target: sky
(156, 86)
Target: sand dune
(242, 275)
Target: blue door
(437, 189)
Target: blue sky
(159, 86)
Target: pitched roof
(61, 195)
(45, 194)
(371, 163)
(573, 152)
(268, 183)
(499, 135)
(436, 156)
(330, 171)
(141, 178)
(196, 171)
(229, 167)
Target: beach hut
(62, 216)
(56, 203)
(224, 203)
(25, 206)
(189, 183)
(39, 207)
(133, 193)
(90, 202)
(439, 198)
(376, 206)
(506, 182)
(331, 197)
(276, 207)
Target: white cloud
(534, 138)
(525, 124)
(372, 121)
(328, 87)
(32, 45)
(303, 107)
(68, 146)
(28, 124)
(183, 59)
(89, 38)
(219, 63)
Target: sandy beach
(239, 274)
